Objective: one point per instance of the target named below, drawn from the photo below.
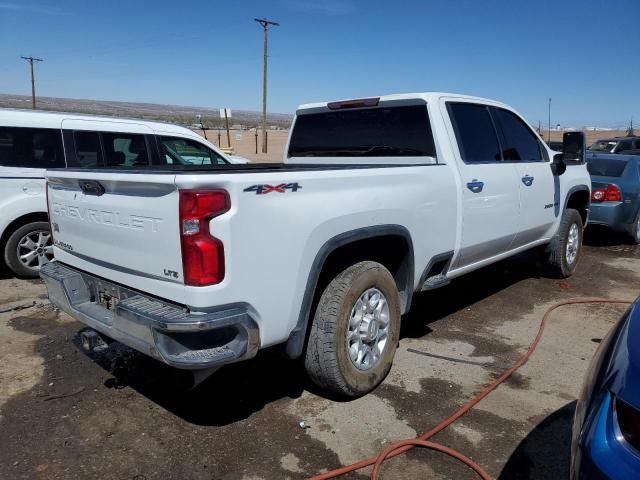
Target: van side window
(182, 151)
(125, 150)
(88, 151)
(31, 147)
(517, 140)
(475, 133)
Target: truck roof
(429, 97)
(49, 119)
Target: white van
(32, 141)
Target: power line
(265, 25)
(33, 79)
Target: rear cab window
(31, 147)
(382, 131)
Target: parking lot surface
(120, 415)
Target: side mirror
(558, 167)
(573, 147)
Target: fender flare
(295, 343)
(574, 189)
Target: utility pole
(265, 25)
(549, 131)
(33, 80)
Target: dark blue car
(615, 192)
(606, 429)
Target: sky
(584, 54)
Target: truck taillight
(202, 253)
(610, 194)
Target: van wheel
(564, 250)
(355, 331)
(28, 249)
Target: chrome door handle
(527, 180)
(475, 186)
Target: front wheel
(355, 331)
(564, 250)
(634, 231)
(28, 249)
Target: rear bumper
(615, 215)
(160, 329)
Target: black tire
(11, 250)
(634, 231)
(557, 252)
(327, 358)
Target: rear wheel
(28, 249)
(634, 232)
(564, 250)
(355, 331)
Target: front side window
(182, 151)
(475, 133)
(517, 140)
(31, 147)
(125, 150)
(402, 131)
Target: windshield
(402, 131)
(603, 146)
(600, 167)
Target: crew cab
(31, 142)
(376, 199)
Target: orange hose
(422, 441)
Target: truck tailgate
(123, 224)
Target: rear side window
(517, 140)
(601, 167)
(31, 147)
(402, 131)
(182, 151)
(475, 133)
(125, 150)
(623, 145)
(88, 151)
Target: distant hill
(150, 111)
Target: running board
(436, 281)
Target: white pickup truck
(377, 198)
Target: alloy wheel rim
(35, 249)
(368, 330)
(573, 240)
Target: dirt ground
(119, 415)
(243, 143)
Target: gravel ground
(120, 415)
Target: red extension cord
(402, 446)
